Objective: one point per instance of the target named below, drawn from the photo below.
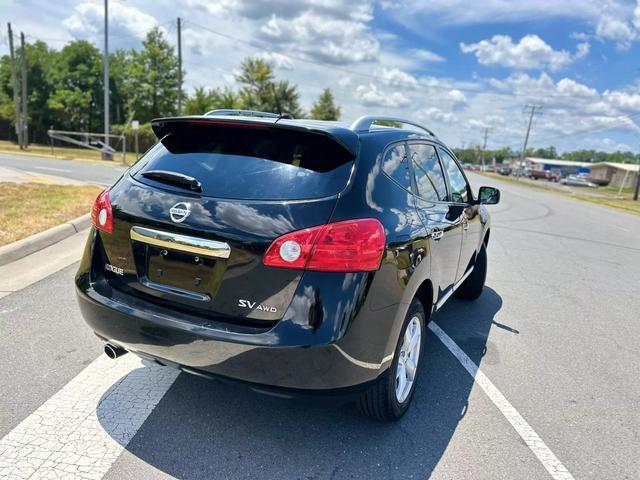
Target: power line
(598, 129)
(338, 68)
(377, 78)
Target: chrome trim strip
(455, 287)
(182, 243)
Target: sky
(457, 66)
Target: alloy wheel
(408, 359)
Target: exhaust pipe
(113, 351)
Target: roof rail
(363, 124)
(245, 113)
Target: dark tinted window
(396, 165)
(428, 172)
(251, 163)
(459, 189)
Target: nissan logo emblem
(179, 212)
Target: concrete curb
(26, 246)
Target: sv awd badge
(256, 306)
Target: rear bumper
(341, 356)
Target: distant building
(564, 167)
(618, 175)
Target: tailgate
(200, 249)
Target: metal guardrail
(93, 141)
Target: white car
(575, 181)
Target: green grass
(625, 204)
(28, 208)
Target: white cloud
(636, 16)
(397, 78)
(337, 32)
(614, 20)
(87, 21)
(616, 29)
(425, 55)
(436, 115)
(335, 40)
(457, 97)
(279, 61)
(370, 96)
(582, 50)
(463, 12)
(259, 9)
(626, 102)
(531, 52)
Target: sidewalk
(32, 268)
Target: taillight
(349, 246)
(101, 213)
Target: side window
(428, 172)
(459, 187)
(396, 166)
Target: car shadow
(203, 429)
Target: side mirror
(488, 196)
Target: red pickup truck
(544, 174)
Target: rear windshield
(262, 163)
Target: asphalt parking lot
(555, 333)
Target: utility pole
(25, 118)
(105, 154)
(14, 81)
(637, 191)
(179, 66)
(532, 110)
(484, 145)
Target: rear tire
(472, 287)
(386, 400)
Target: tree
(325, 108)
(256, 76)
(225, 98)
(260, 91)
(121, 89)
(152, 78)
(77, 87)
(542, 152)
(286, 99)
(204, 100)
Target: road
(556, 332)
(91, 172)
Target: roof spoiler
(343, 136)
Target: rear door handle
(437, 234)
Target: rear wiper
(174, 178)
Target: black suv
(293, 255)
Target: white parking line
(531, 438)
(82, 429)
